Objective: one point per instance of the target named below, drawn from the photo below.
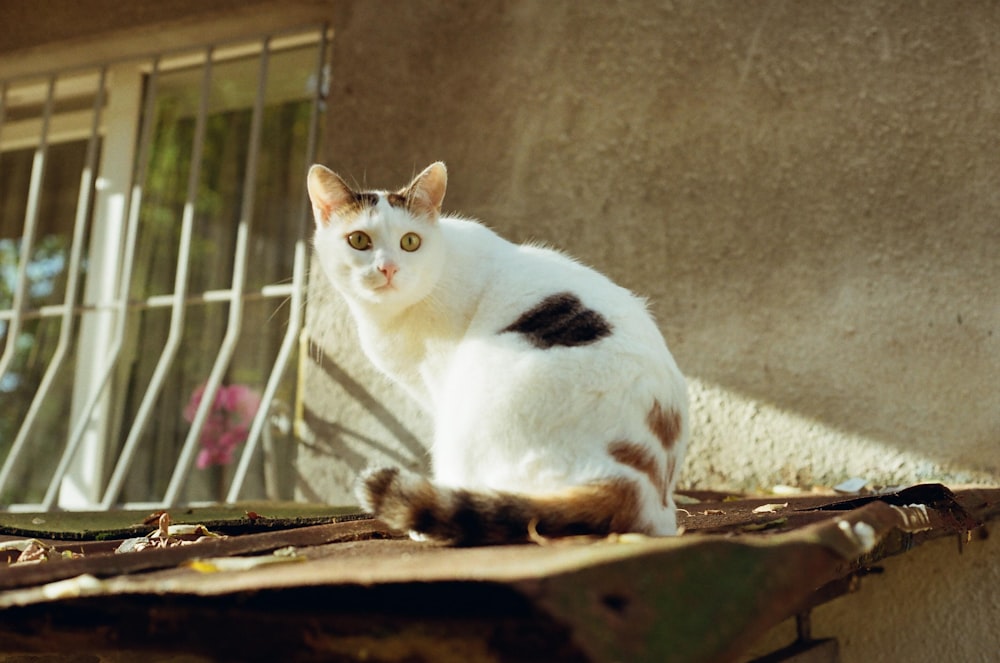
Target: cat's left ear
(425, 193)
(328, 193)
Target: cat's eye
(410, 242)
(359, 240)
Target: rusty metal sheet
(742, 567)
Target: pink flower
(228, 422)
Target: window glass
(46, 286)
(278, 191)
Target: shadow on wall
(331, 439)
(353, 447)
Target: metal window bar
(235, 323)
(299, 269)
(133, 205)
(72, 286)
(28, 232)
(177, 301)
(27, 245)
(178, 307)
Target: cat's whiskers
(280, 305)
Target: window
(152, 265)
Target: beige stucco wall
(932, 604)
(806, 192)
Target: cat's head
(380, 248)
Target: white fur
(507, 416)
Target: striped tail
(408, 502)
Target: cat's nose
(389, 270)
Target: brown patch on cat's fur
(356, 204)
(375, 486)
(638, 457)
(599, 508)
(463, 517)
(666, 425)
(365, 200)
(398, 500)
(396, 199)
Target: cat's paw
(372, 487)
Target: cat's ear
(328, 193)
(425, 193)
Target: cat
(558, 409)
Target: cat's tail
(408, 502)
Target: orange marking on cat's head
(329, 194)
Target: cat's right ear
(328, 193)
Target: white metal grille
(110, 407)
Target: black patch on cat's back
(560, 319)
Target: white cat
(556, 404)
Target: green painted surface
(97, 525)
(722, 592)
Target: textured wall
(806, 193)
(932, 604)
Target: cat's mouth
(378, 283)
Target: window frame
(125, 100)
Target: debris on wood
(153, 518)
(229, 564)
(770, 508)
(167, 536)
(33, 551)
